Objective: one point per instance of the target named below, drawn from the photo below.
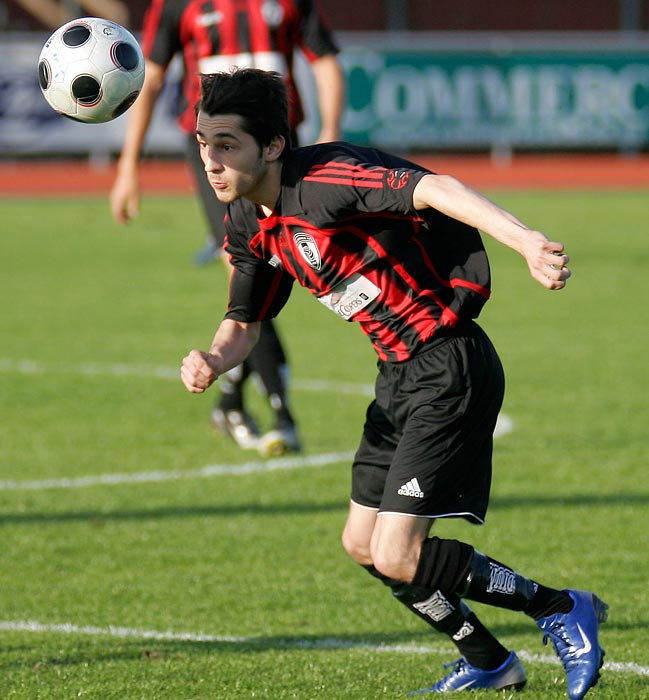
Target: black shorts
(428, 436)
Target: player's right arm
(125, 193)
(233, 342)
(547, 262)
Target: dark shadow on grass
(523, 502)
(152, 650)
(111, 648)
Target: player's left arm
(331, 92)
(547, 262)
(314, 38)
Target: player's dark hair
(259, 97)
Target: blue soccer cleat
(510, 674)
(574, 636)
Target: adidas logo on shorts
(411, 489)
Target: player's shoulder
(305, 159)
(301, 162)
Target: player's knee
(357, 548)
(394, 564)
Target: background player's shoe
(239, 425)
(466, 677)
(574, 636)
(211, 251)
(283, 438)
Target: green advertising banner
(476, 100)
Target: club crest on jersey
(397, 179)
(308, 248)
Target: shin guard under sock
(490, 582)
(451, 616)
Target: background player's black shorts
(428, 437)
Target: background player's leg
(268, 361)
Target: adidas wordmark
(411, 489)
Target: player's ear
(275, 148)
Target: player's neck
(267, 195)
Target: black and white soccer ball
(91, 70)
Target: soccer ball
(91, 70)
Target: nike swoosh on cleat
(464, 687)
(587, 645)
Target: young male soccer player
(385, 243)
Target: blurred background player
(216, 36)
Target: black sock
(443, 565)
(479, 647)
(450, 616)
(268, 361)
(490, 582)
(231, 385)
(548, 601)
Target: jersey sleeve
(160, 32)
(258, 296)
(258, 291)
(315, 38)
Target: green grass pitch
(181, 583)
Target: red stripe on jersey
(350, 181)
(456, 281)
(390, 342)
(337, 167)
(151, 25)
(336, 173)
(478, 288)
(449, 317)
(399, 268)
(272, 290)
(258, 28)
(415, 314)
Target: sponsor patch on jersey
(350, 296)
(308, 248)
(398, 179)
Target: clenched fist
(199, 371)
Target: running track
(29, 177)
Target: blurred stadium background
(492, 79)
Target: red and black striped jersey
(344, 227)
(215, 35)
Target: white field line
(330, 643)
(92, 369)
(271, 465)
(503, 426)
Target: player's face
(234, 163)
